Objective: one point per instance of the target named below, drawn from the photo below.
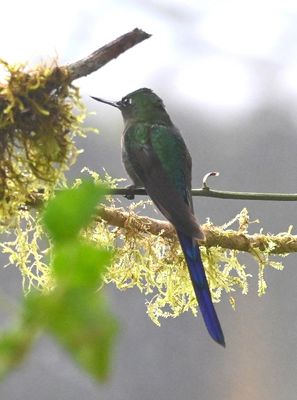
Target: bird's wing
(163, 164)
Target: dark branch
(105, 54)
(206, 192)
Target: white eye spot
(127, 101)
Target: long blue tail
(200, 284)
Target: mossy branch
(148, 256)
(240, 240)
(215, 236)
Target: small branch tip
(205, 178)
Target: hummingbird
(156, 157)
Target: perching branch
(215, 236)
(207, 192)
(221, 194)
(105, 54)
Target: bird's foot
(130, 192)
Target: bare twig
(221, 194)
(105, 54)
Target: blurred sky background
(227, 72)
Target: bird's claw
(130, 192)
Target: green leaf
(80, 265)
(80, 320)
(75, 311)
(86, 328)
(71, 210)
(14, 345)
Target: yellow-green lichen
(153, 264)
(157, 267)
(26, 248)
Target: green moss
(37, 124)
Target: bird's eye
(127, 101)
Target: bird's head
(142, 105)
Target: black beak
(116, 104)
